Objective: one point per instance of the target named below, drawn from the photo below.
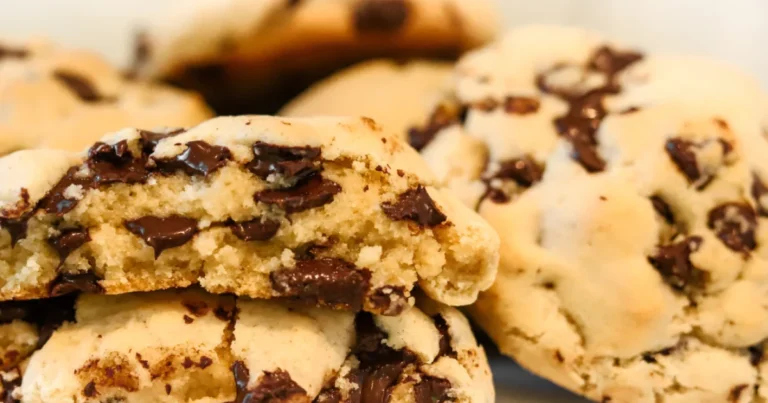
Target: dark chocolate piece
(196, 307)
(9, 386)
(735, 225)
(273, 387)
(66, 283)
(258, 229)
(432, 390)
(389, 300)
(663, 209)
(755, 354)
(90, 390)
(521, 105)
(200, 158)
(313, 192)
(115, 164)
(163, 233)
(415, 205)
(525, 171)
(149, 140)
(80, 86)
(324, 281)
(674, 263)
(55, 202)
(446, 348)
(380, 16)
(68, 241)
(443, 116)
(682, 154)
(289, 162)
(760, 192)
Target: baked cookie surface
(191, 346)
(253, 57)
(395, 94)
(628, 190)
(333, 211)
(67, 99)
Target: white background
(731, 30)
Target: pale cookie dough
(332, 211)
(253, 56)
(630, 192)
(190, 346)
(396, 94)
(67, 99)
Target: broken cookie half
(334, 212)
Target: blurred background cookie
(67, 99)
(395, 94)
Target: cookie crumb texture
(318, 210)
(67, 99)
(629, 191)
(191, 346)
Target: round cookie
(253, 57)
(395, 94)
(629, 192)
(332, 211)
(187, 345)
(54, 98)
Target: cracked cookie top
(628, 191)
(187, 345)
(330, 211)
(67, 99)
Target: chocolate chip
(325, 281)
(313, 192)
(389, 300)
(144, 363)
(196, 307)
(755, 354)
(66, 283)
(378, 384)
(258, 229)
(150, 140)
(432, 390)
(446, 348)
(55, 202)
(415, 205)
(168, 389)
(13, 53)
(188, 319)
(380, 16)
(200, 158)
(611, 62)
(289, 162)
(674, 263)
(17, 228)
(760, 194)
(525, 171)
(68, 241)
(735, 394)
(80, 86)
(115, 164)
(13, 310)
(225, 313)
(682, 153)
(445, 115)
(163, 233)
(274, 386)
(663, 209)
(521, 105)
(205, 362)
(90, 390)
(735, 225)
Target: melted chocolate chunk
(12, 53)
(755, 354)
(760, 194)
(525, 171)
(446, 114)
(380, 16)
(115, 164)
(415, 205)
(446, 349)
(432, 390)
(149, 140)
(68, 241)
(196, 307)
(313, 192)
(663, 209)
(674, 263)
(90, 390)
(288, 162)
(389, 300)
(273, 387)
(521, 105)
(258, 229)
(81, 86)
(735, 394)
(586, 111)
(55, 202)
(200, 158)
(163, 233)
(325, 281)
(683, 155)
(66, 283)
(735, 225)
(17, 228)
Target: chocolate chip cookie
(253, 57)
(65, 99)
(330, 211)
(399, 94)
(188, 345)
(629, 191)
